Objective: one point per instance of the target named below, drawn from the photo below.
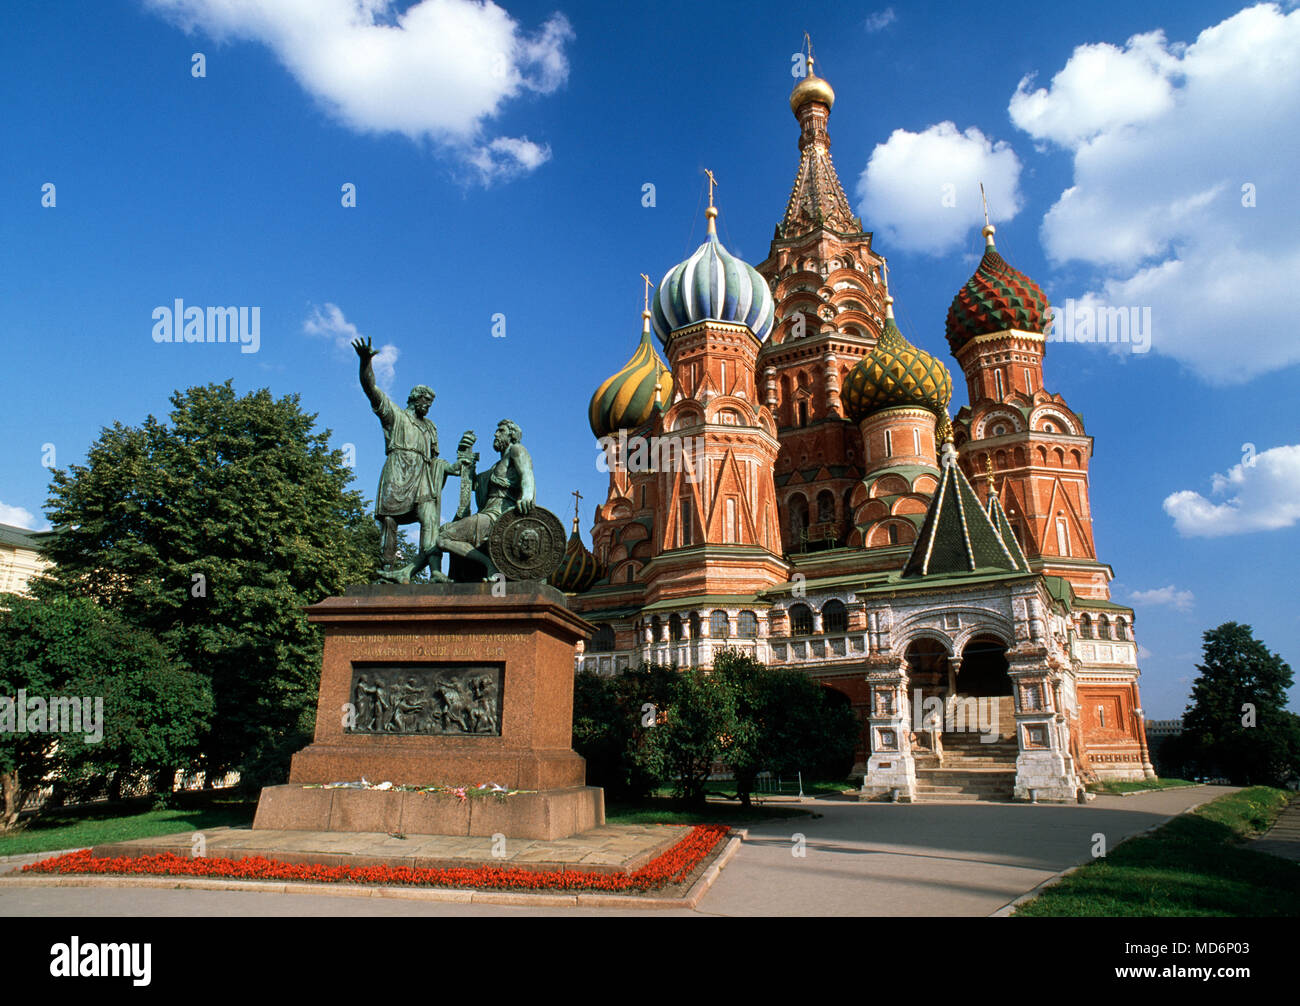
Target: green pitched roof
(957, 535)
(998, 518)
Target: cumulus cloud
(922, 190)
(438, 70)
(1170, 597)
(879, 20)
(1262, 493)
(1183, 197)
(17, 516)
(330, 323)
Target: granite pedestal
(479, 691)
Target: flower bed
(670, 867)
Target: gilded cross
(647, 290)
(985, 201)
(577, 499)
(712, 182)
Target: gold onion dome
(629, 398)
(578, 568)
(997, 298)
(811, 88)
(896, 373)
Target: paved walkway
(859, 859)
(1283, 839)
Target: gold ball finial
(812, 88)
(988, 232)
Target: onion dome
(896, 373)
(811, 88)
(628, 399)
(998, 297)
(713, 284)
(578, 568)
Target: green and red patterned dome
(578, 569)
(895, 373)
(998, 297)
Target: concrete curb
(542, 899)
(1006, 910)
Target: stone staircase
(972, 770)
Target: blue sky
(499, 157)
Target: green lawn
(115, 822)
(112, 822)
(1196, 865)
(1117, 787)
(727, 787)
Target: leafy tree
(610, 728)
(69, 648)
(1237, 724)
(785, 722)
(694, 731)
(212, 531)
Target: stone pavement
(610, 848)
(1283, 839)
(860, 859)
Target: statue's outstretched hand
(365, 349)
(525, 504)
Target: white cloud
(880, 20)
(440, 69)
(17, 516)
(331, 324)
(1171, 143)
(922, 190)
(1170, 596)
(1261, 493)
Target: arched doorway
(984, 668)
(927, 669)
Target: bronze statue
(509, 537)
(410, 485)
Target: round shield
(527, 546)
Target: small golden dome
(811, 88)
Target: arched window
(1121, 629)
(835, 617)
(675, 628)
(695, 625)
(719, 625)
(603, 640)
(657, 629)
(801, 620)
(1085, 626)
(825, 506)
(893, 534)
(747, 625)
(1105, 628)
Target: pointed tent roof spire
(957, 536)
(998, 518)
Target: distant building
(22, 558)
(1158, 730)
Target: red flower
(672, 866)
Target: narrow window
(889, 443)
(1062, 537)
(997, 382)
(684, 523)
(916, 440)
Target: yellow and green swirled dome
(578, 569)
(627, 399)
(896, 373)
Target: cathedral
(791, 484)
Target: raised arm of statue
(367, 352)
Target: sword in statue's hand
(466, 461)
